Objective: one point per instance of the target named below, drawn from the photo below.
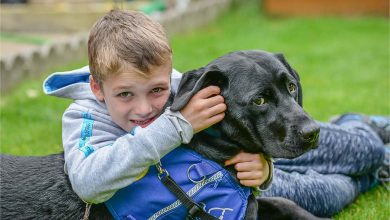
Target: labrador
(264, 114)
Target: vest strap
(194, 209)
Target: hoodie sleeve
(99, 163)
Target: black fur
(37, 187)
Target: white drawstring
(87, 211)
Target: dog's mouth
(295, 146)
(303, 148)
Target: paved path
(11, 47)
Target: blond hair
(126, 39)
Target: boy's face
(132, 99)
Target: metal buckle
(161, 171)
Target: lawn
(343, 64)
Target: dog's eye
(259, 101)
(292, 88)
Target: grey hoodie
(100, 157)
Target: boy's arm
(98, 164)
(97, 170)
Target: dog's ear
(195, 80)
(292, 72)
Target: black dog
(264, 115)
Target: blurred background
(340, 48)
(39, 34)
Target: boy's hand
(205, 108)
(252, 169)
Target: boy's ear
(195, 80)
(96, 90)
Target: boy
(130, 62)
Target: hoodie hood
(71, 84)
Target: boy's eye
(125, 94)
(157, 90)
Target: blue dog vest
(205, 181)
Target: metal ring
(189, 177)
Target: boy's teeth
(141, 122)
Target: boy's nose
(143, 108)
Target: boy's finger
(214, 100)
(250, 183)
(233, 160)
(241, 157)
(247, 166)
(208, 91)
(211, 121)
(216, 109)
(215, 119)
(250, 175)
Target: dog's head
(264, 107)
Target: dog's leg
(278, 208)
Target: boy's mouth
(144, 123)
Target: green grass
(343, 64)
(30, 120)
(23, 38)
(372, 205)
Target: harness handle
(194, 209)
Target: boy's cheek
(163, 101)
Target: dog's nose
(310, 133)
